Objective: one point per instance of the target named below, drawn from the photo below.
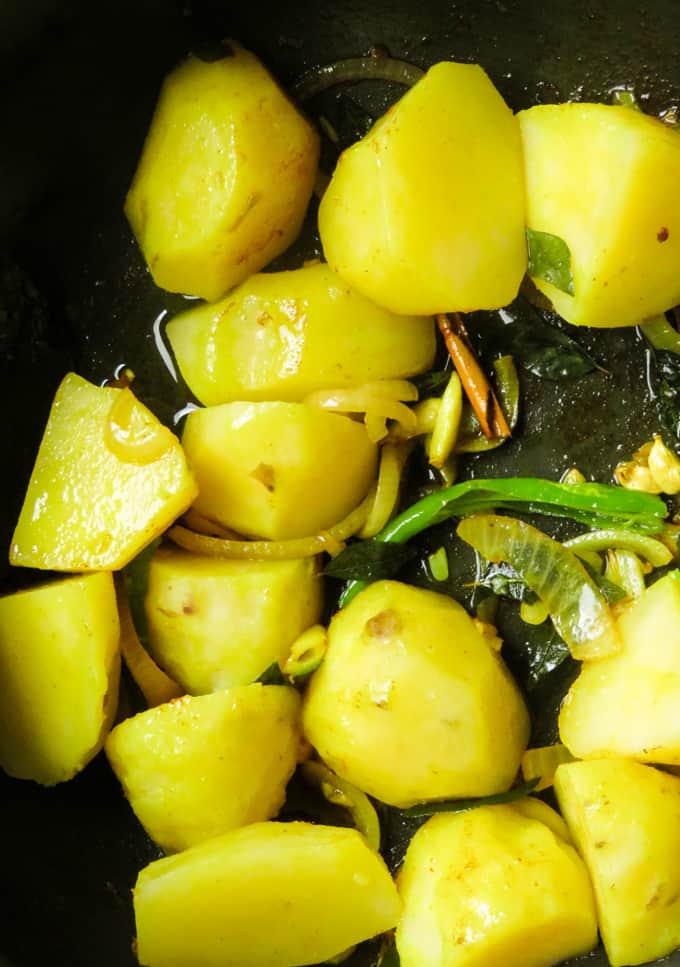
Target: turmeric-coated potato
(215, 623)
(277, 470)
(59, 671)
(108, 479)
(606, 180)
(639, 687)
(411, 703)
(225, 176)
(282, 335)
(426, 213)
(625, 820)
(266, 895)
(201, 765)
(493, 886)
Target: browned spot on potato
(384, 625)
(189, 606)
(265, 474)
(662, 234)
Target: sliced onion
(134, 435)
(393, 456)
(380, 401)
(577, 607)
(330, 541)
(354, 69)
(156, 687)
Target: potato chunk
(225, 176)
(93, 504)
(411, 703)
(282, 335)
(214, 623)
(607, 180)
(639, 687)
(493, 886)
(625, 820)
(277, 470)
(426, 213)
(59, 668)
(267, 895)
(198, 766)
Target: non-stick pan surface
(77, 86)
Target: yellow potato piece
(625, 820)
(85, 507)
(59, 671)
(606, 180)
(411, 703)
(266, 895)
(225, 176)
(277, 470)
(639, 688)
(214, 623)
(198, 766)
(493, 886)
(282, 335)
(426, 213)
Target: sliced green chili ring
(342, 793)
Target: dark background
(77, 86)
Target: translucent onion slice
(625, 569)
(379, 401)
(378, 66)
(393, 456)
(134, 435)
(342, 793)
(156, 687)
(331, 541)
(542, 763)
(577, 607)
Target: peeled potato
(225, 176)
(198, 766)
(283, 335)
(215, 623)
(625, 820)
(411, 703)
(494, 885)
(639, 687)
(59, 669)
(277, 470)
(606, 180)
(266, 895)
(101, 489)
(426, 213)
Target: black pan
(78, 83)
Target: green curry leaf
(462, 805)
(550, 260)
(369, 560)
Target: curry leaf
(369, 561)
(432, 384)
(546, 658)
(540, 347)
(462, 805)
(272, 675)
(550, 259)
(504, 581)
